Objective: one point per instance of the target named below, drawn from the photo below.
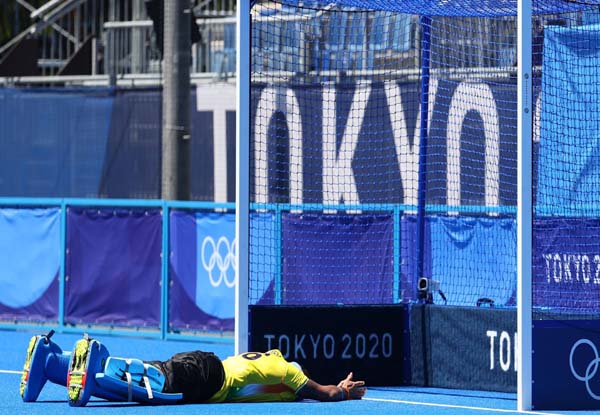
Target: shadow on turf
(100, 404)
(478, 394)
(118, 405)
(108, 404)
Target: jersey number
(253, 355)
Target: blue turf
(380, 400)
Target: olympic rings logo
(221, 255)
(591, 368)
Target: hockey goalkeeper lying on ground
(190, 377)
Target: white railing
(130, 47)
(213, 8)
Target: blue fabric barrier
(471, 257)
(264, 260)
(325, 252)
(96, 142)
(570, 138)
(29, 264)
(53, 141)
(474, 258)
(113, 267)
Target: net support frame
(524, 194)
(425, 22)
(242, 161)
(524, 204)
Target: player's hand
(354, 388)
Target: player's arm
(346, 389)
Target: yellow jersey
(259, 377)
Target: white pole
(524, 206)
(242, 200)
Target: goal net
(383, 153)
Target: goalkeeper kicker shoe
(44, 361)
(87, 359)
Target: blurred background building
(107, 37)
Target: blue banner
(332, 341)
(216, 266)
(30, 263)
(565, 365)
(203, 267)
(487, 341)
(570, 138)
(194, 304)
(380, 154)
(566, 263)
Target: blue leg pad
(140, 373)
(138, 393)
(45, 361)
(135, 381)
